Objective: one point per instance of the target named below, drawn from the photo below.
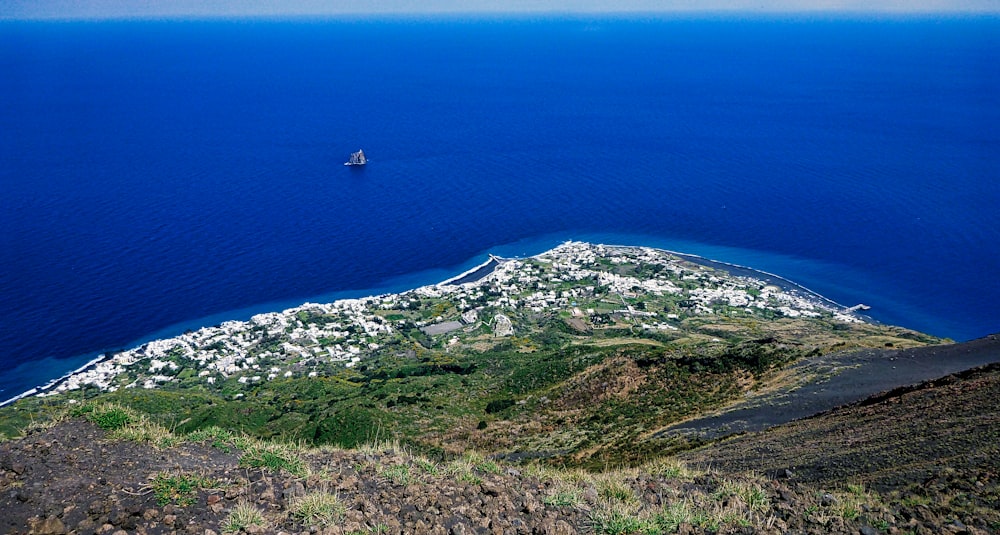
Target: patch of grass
(35, 426)
(462, 470)
(125, 423)
(669, 468)
(145, 430)
(615, 490)
(914, 500)
(317, 507)
(380, 446)
(673, 515)
(111, 416)
(220, 438)
(377, 528)
(856, 489)
(427, 466)
(398, 474)
(243, 515)
(703, 519)
(564, 496)
(274, 456)
(616, 518)
(180, 489)
(484, 464)
(750, 494)
(849, 505)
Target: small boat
(357, 158)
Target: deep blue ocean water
(163, 175)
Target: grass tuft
(618, 518)
(673, 515)
(428, 466)
(221, 439)
(564, 496)
(750, 494)
(243, 515)
(610, 488)
(274, 456)
(112, 416)
(462, 470)
(670, 468)
(144, 430)
(317, 507)
(398, 474)
(180, 489)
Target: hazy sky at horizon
(98, 9)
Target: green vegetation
(598, 362)
(398, 474)
(243, 516)
(111, 416)
(178, 489)
(271, 455)
(564, 496)
(317, 507)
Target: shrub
(499, 405)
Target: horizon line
(497, 14)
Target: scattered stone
(49, 526)
(439, 504)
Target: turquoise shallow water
(162, 175)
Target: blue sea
(162, 175)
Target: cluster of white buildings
(289, 343)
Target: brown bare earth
(916, 459)
(71, 478)
(936, 444)
(820, 383)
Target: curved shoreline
(477, 273)
(778, 280)
(57, 381)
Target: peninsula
(497, 400)
(595, 289)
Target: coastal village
(594, 289)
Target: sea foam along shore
(108, 365)
(55, 382)
(471, 275)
